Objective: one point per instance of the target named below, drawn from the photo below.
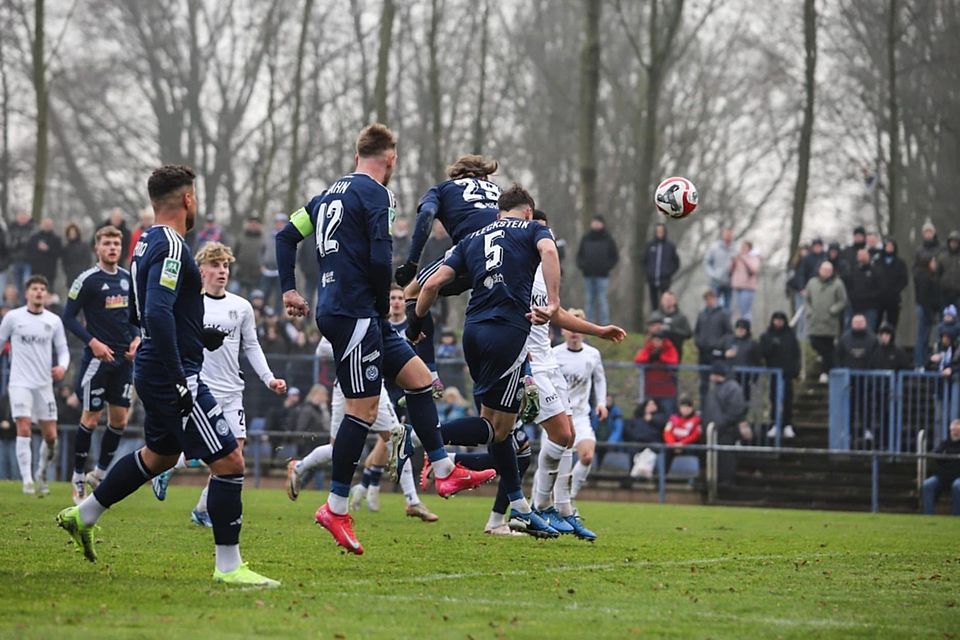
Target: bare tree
(436, 128)
(806, 129)
(40, 90)
(5, 115)
(383, 60)
(478, 133)
(295, 162)
(894, 224)
(589, 89)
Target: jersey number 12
(328, 219)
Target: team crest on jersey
(170, 273)
(233, 315)
(222, 427)
(371, 373)
(520, 393)
(124, 285)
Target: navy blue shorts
(102, 383)
(365, 350)
(495, 354)
(204, 435)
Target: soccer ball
(676, 197)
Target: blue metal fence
(885, 410)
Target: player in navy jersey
(105, 375)
(501, 260)
(181, 413)
(352, 222)
(463, 204)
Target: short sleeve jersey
(104, 298)
(501, 260)
(166, 280)
(352, 222)
(464, 205)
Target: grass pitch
(657, 571)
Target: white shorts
(386, 416)
(582, 430)
(233, 414)
(36, 404)
(553, 393)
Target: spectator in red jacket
(682, 429)
(659, 376)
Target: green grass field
(657, 571)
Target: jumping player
(352, 223)
(181, 413)
(233, 315)
(105, 377)
(31, 330)
(501, 260)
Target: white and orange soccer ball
(676, 197)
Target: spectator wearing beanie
(950, 324)
(660, 262)
(893, 275)
(946, 356)
(929, 244)
(780, 350)
(887, 355)
(743, 279)
(949, 264)
(856, 346)
(849, 253)
(926, 289)
(810, 264)
(743, 351)
(840, 265)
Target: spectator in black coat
(866, 285)
(20, 231)
(850, 252)
(743, 351)
(44, 251)
(887, 355)
(647, 424)
(840, 266)
(596, 257)
(726, 408)
(926, 289)
(77, 256)
(856, 346)
(893, 274)
(946, 475)
(810, 264)
(930, 245)
(946, 357)
(780, 350)
(660, 262)
(675, 325)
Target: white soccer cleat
(93, 479)
(373, 499)
(28, 487)
(79, 487)
(502, 530)
(294, 480)
(357, 493)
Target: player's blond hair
(577, 313)
(108, 231)
(374, 139)
(214, 252)
(472, 166)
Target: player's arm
(426, 211)
(300, 226)
(550, 264)
(600, 388)
(254, 352)
(6, 329)
(565, 320)
(381, 254)
(425, 300)
(63, 352)
(162, 288)
(75, 300)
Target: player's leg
(21, 409)
(298, 469)
(369, 486)
(586, 442)
(118, 389)
(233, 414)
(90, 392)
(45, 408)
(558, 436)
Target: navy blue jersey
(462, 206)
(352, 222)
(501, 259)
(168, 306)
(104, 299)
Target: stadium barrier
(886, 410)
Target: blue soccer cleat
(531, 524)
(579, 530)
(555, 520)
(160, 483)
(201, 519)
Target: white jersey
(31, 336)
(538, 342)
(221, 368)
(583, 371)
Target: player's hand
(58, 372)
(132, 349)
(100, 351)
(212, 337)
(414, 326)
(542, 315)
(405, 273)
(279, 387)
(613, 333)
(184, 401)
(602, 412)
(295, 305)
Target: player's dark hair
(169, 179)
(374, 139)
(37, 279)
(472, 166)
(515, 196)
(540, 215)
(108, 231)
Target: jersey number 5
(328, 219)
(494, 252)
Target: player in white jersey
(233, 315)
(551, 497)
(385, 424)
(583, 369)
(32, 331)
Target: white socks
(521, 505)
(337, 504)
(495, 520)
(90, 510)
(25, 458)
(580, 473)
(320, 455)
(408, 486)
(561, 489)
(181, 463)
(228, 557)
(442, 468)
(202, 502)
(543, 481)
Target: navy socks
(81, 449)
(225, 506)
(126, 476)
(467, 432)
(108, 446)
(347, 449)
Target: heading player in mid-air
(105, 377)
(181, 413)
(501, 260)
(31, 330)
(232, 315)
(352, 222)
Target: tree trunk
(5, 143)
(478, 119)
(806, 129)
(383, 60)
(589, 88)
(40, 88)
(295, 161)
(893, 124)
(436, 128)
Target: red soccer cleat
(341, 527)
(425, 473)
(462, 479)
